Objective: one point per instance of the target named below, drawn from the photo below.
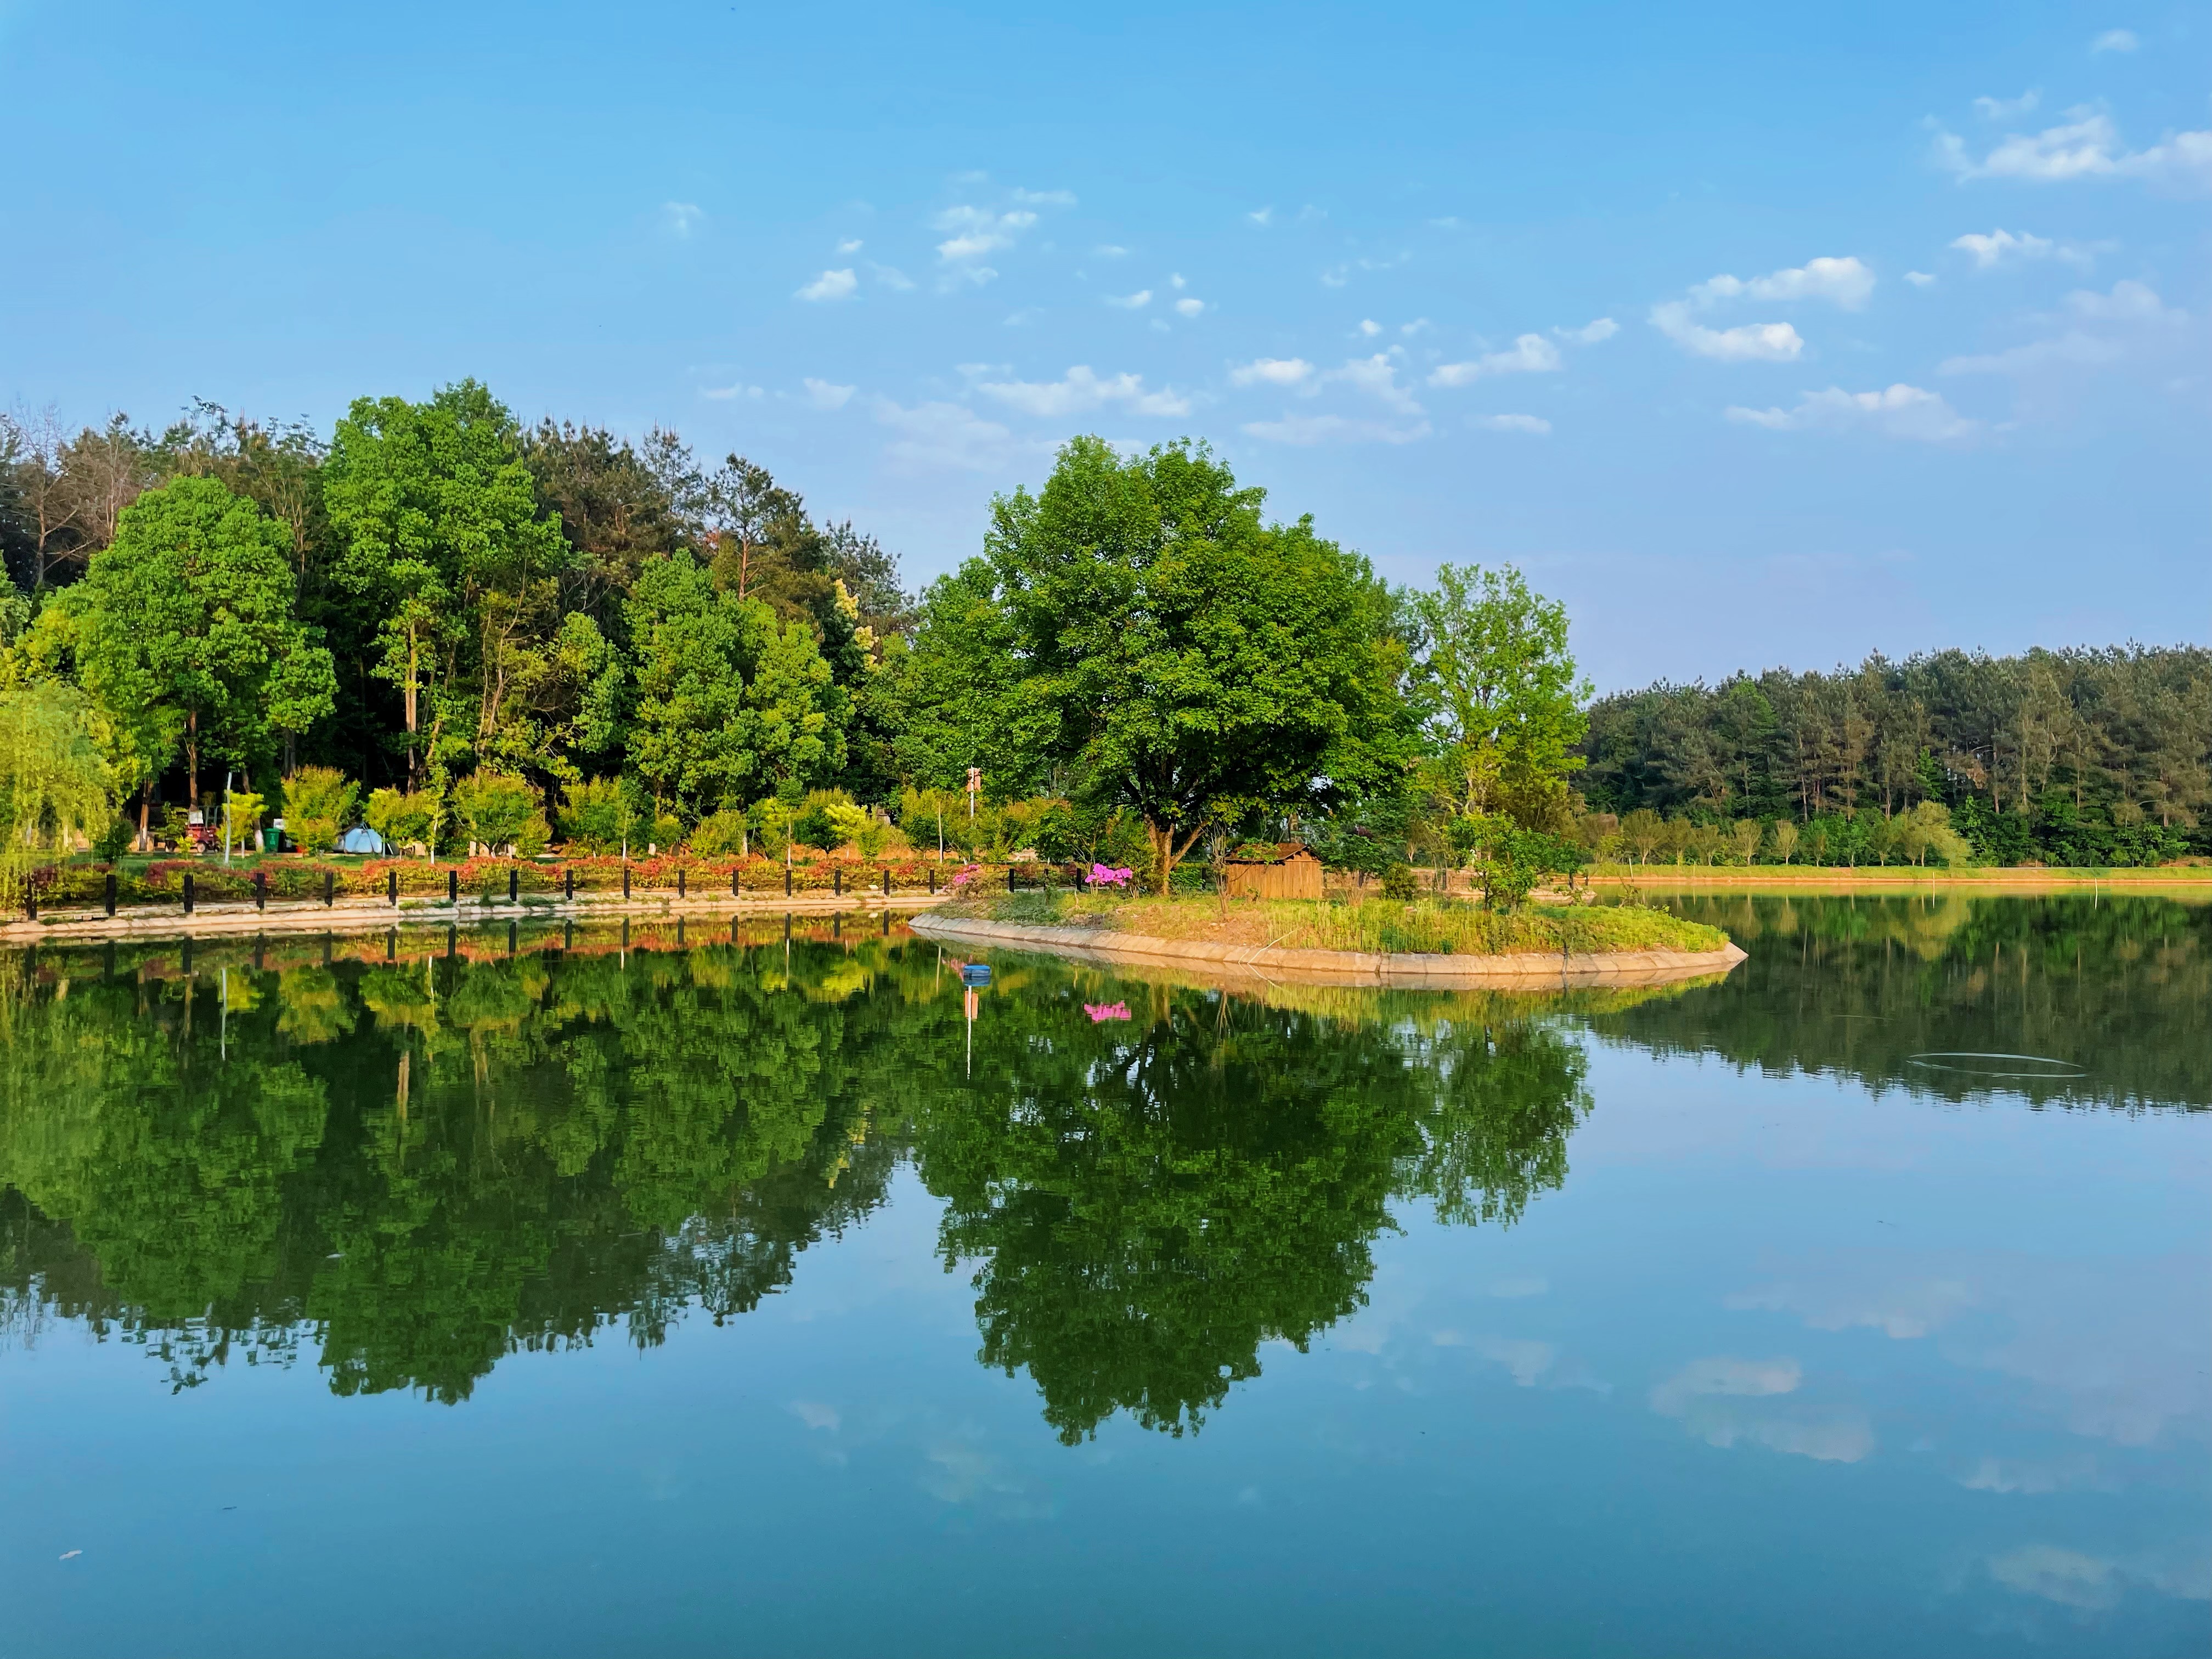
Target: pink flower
(1105, 875)
(1105, 1010)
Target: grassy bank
(1429, 925)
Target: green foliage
(720, 835)
(500, 814)
(54, 783)
(111, 843)
(730, 700)
(406, 819)
(1139, 624)
(1398, 882)
(241, 818)
(184, 633)
(601, 816)
(318, 806)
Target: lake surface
(576, 1293)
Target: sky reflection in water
(603, 1298)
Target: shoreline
(1527, 971)
(371, 916)
(1738, 877)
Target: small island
(1367, 941)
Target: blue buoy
(975, 974)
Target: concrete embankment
(1529, 972)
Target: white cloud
(2003, 109)
(2085, 145)
(1989, 250)
(682, 218)
(1590, 333)
(936, 434)
(824, 395)
(1721, 1375)
(722, 394)
(1110, 250)
(2066, 1577)
(816, 1415)
(892, 277)
(1899, 411)
(1190, 307)
(1306, 430)
(1336, 276)
(1271, 371)
(2115, 40)
(1370, 327)
(1177, 280)
(1750, 342)
(1919, 278)
(850, 244)
(1698, 1395)
(2130, 312)
(1531, 354)
(2128, 302)
(1046, 198)
(975, 232)
(1376, 376)
(1136, 301)
(1418, 325)
(831, 285)
(1079, 390)
(1262, 217)
(1846, 282)
(1535, 424)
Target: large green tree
(1171, 650)
(1502, 702)
(730, 700)
(183, 632)
(439, 528)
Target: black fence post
(567, 881)
(31, 901)
(786, 881)
(836, 881)
(933, 880)
(261, 890)
(391, 887)
(329, 888)
(887, 881)
(734, 892)
(188, 892)
(453, 887)
(680, 885)
(513, 882)
(110, 892)
(625, 885)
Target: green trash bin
(272, 839)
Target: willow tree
(54, 782)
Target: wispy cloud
(2096, 329)
(1188, 306)
(2009, 247)
(2003, 109)
(830, 285)
(2085, 145)
(891, 276)
(1593, 332)
(1262, 216)
(1079, 391)
(1535, 424)
(1530, 353)
(2115, 40)
(1376, 377)
(1919, 278)
(825, 395)
(1136, 301)
(850, 244)
(975, 232)
(682, 218)
(1749, 342)
(1303, 431)
(724, 393)
(1844, 282)
(1271, 371)
(941, 434)
(1897, 411)
(1045, 197)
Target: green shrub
(499, 812)
(1398, 882)
(318, 806)
(720, 835)
(601, 816)
(403, 820)
(111, 843)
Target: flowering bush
(1102, 1011)
(1105, 875)
(964, 875)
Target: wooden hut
(1293, 871)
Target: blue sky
(1758, 334)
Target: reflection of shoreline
(1402, 970)
(2186, 886)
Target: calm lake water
(407, 1295)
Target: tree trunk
(145, 813)
(192, 758)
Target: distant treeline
(2074, 757)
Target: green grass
(1429, 925)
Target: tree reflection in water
(410, 1157)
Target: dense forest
(2063, 757)
(476, 635)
